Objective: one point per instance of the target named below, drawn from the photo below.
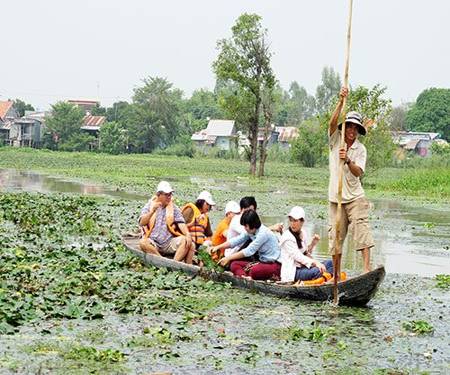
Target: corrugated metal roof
(200, 136)
(412, 144)
(220, 128)
(286, 133)
(7, 125)
(91, 120)
(403, 137)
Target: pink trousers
(258, 271)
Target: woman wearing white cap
(220, 234)
(196, 217)
(296, 260)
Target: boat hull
(355, 291)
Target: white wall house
(219, 133)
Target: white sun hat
(207, 197)
(232, 206)
(297, 213)
(164, 187)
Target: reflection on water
(409, 239)
(398, 245)
(12, 180)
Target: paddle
(337, 258)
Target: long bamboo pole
(337, 244)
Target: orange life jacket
(199, 223)
(323, 279)
(170, 222)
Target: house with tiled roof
(7, 116)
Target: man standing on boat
(355, 206)
(165, 231)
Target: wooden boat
(355, 291)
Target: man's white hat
(232, 206)
(297, 213)
(207, 197)
(164, 187)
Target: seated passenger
(163, 227)
(220, 234)
(197, 220)
(264, 244)
(236, 229)
(296, 260)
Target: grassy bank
(141, 173)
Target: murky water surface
(410, 238)
(257, 334)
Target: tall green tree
(310, 146)
(114, 138)
(431, 112)
(118, 112)
(98, 110)
(397, 120)
(156, 117)
(21, 107)
(300, 105)
(244, 60)
(328, 89)
(282, 108)
(200, 107)
(63, 123)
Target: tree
(119, 112)
(200, 107)
(156, 116)
(21, 107)
(440, 149)
(64, 121)
(79, 141)
(268, 107)
(310, 147)
(282, 106)
(97, 110)
(300, 105)
(244, 60)
(326, 92)
(397, 120)
(114, 138)
(431, 112)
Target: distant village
(27, 131)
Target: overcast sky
(101, 49)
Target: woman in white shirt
(296, 260)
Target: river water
(410, 238)
(250, 332)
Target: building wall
(37, 132)
(224, 143)
(423, 148)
